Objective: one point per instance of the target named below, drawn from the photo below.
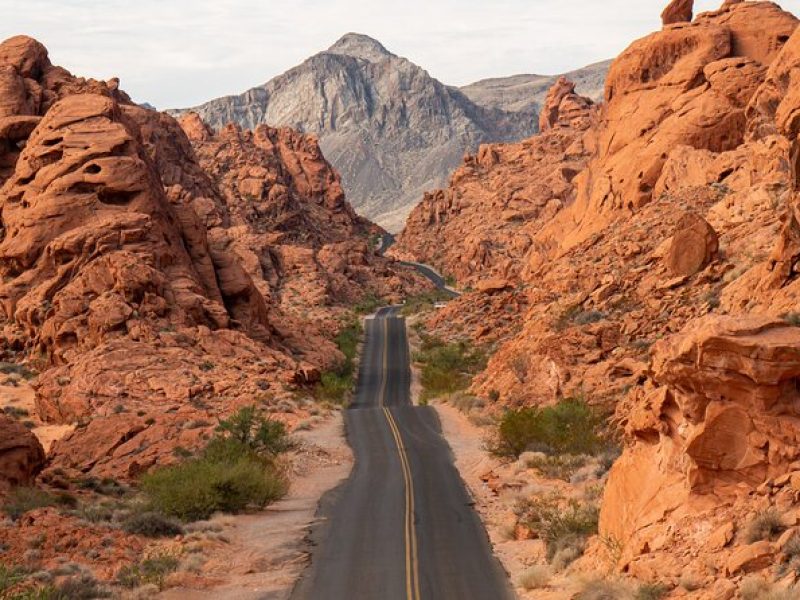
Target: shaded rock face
(390, 129)
(151, 287)
(21, 454)
(500, 198)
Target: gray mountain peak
(360, 46)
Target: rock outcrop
(678, 11)
(21, 454)
(717, 418)
(679, 232)
(499, 199)
(153, 283)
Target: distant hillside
(526, 93)
(389, 128)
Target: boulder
(749, 558)
(492, 286)
(678, 11)
(694, 245)
(21, 454)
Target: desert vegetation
(336, 385)
(446, 368)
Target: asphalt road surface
(402, 527)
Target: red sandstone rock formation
(718, 418)
(157, 289)
(687, 206)
(21, 454)
(500, 198)
(678, 11)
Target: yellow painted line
(412, 558)
(410, 533)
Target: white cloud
(182, 52)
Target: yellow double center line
(412, 560)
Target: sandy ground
(261, 556)
(17, 393)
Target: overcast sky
(178, 53)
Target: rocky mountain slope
(150, 281)
(660, 286)
(388, 127)
(527, 93)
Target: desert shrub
(368, 304)
(80, 587)
(765, 525)
(494, 395)
(106, 486)
(535, 577)
(562, 466)
(151, 571)
(447, 367)
(560, 524)
(601, 589)
(15, 412)
(651, 591)
(588, 316)
(8, 368)
(236, 470)
(198, 488)
(569, 427)
(792, 318)
(250, 428)
(335, 385)
(24, 499)
(423, 302)
(10, 576)
(151, 524)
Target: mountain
(527, 93)
(388, 127)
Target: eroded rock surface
(21, 454)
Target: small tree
(257, 432)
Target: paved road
(387, 240)
(402, 527)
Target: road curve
(402, 527)
(387, 240)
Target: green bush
(336, 385)
(368, 304)
(558, 523)
(235, 471)
(569, 427)
(250, 428)
(150, 571)
(198, 488)
(447, 368)
(24, 499)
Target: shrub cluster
(236, 470)
(447, 368)
(336, 385)
(569, 427)
(564, 525)
(423, 302)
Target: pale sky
(178, 53)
